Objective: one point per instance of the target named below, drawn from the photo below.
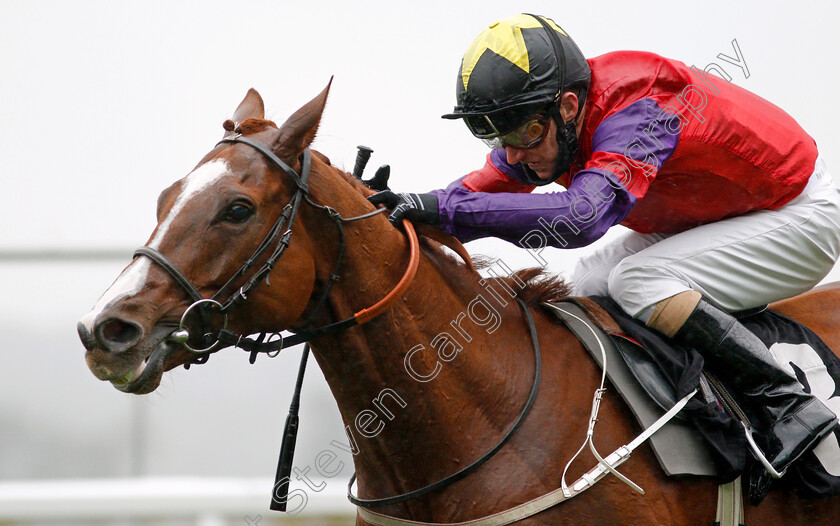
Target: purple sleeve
(594, 202)
(457, 183)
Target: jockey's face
(541, 158)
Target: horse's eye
(237, 213)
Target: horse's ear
(251, 107)
(298, 132)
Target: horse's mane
(540, 285)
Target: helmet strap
(567, 140)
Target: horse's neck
(432, 379)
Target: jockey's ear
(568, 106)
(251, 107)
(298, 132)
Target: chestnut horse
(420, 407)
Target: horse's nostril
(87, 338)
(117, 335)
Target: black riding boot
(796, 420)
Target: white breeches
(737, 263)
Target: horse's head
(209, 224)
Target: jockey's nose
(514, 155)
(112, 334)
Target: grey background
(104, 104)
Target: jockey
(728, 204)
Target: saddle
(651, 375)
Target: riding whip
(362, 158)
(280, 491)
(379, 181)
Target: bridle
(224, 300)
(226, 338)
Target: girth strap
(558, 496)
(730, 507)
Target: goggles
(524, 136)
(522, 126)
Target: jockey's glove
(422, 208)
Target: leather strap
(532, 507)
(271, 155)
(173, 271)
(604, 467)
(370, 503)
(226, 338)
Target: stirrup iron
(759, 454)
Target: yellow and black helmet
(516, 67)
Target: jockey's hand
(422, 208)
(379, 181)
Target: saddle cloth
(651, 374)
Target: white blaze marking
(134, 276)
(129, 282)
(202, 177)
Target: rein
(226, 338)
(372, 503)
